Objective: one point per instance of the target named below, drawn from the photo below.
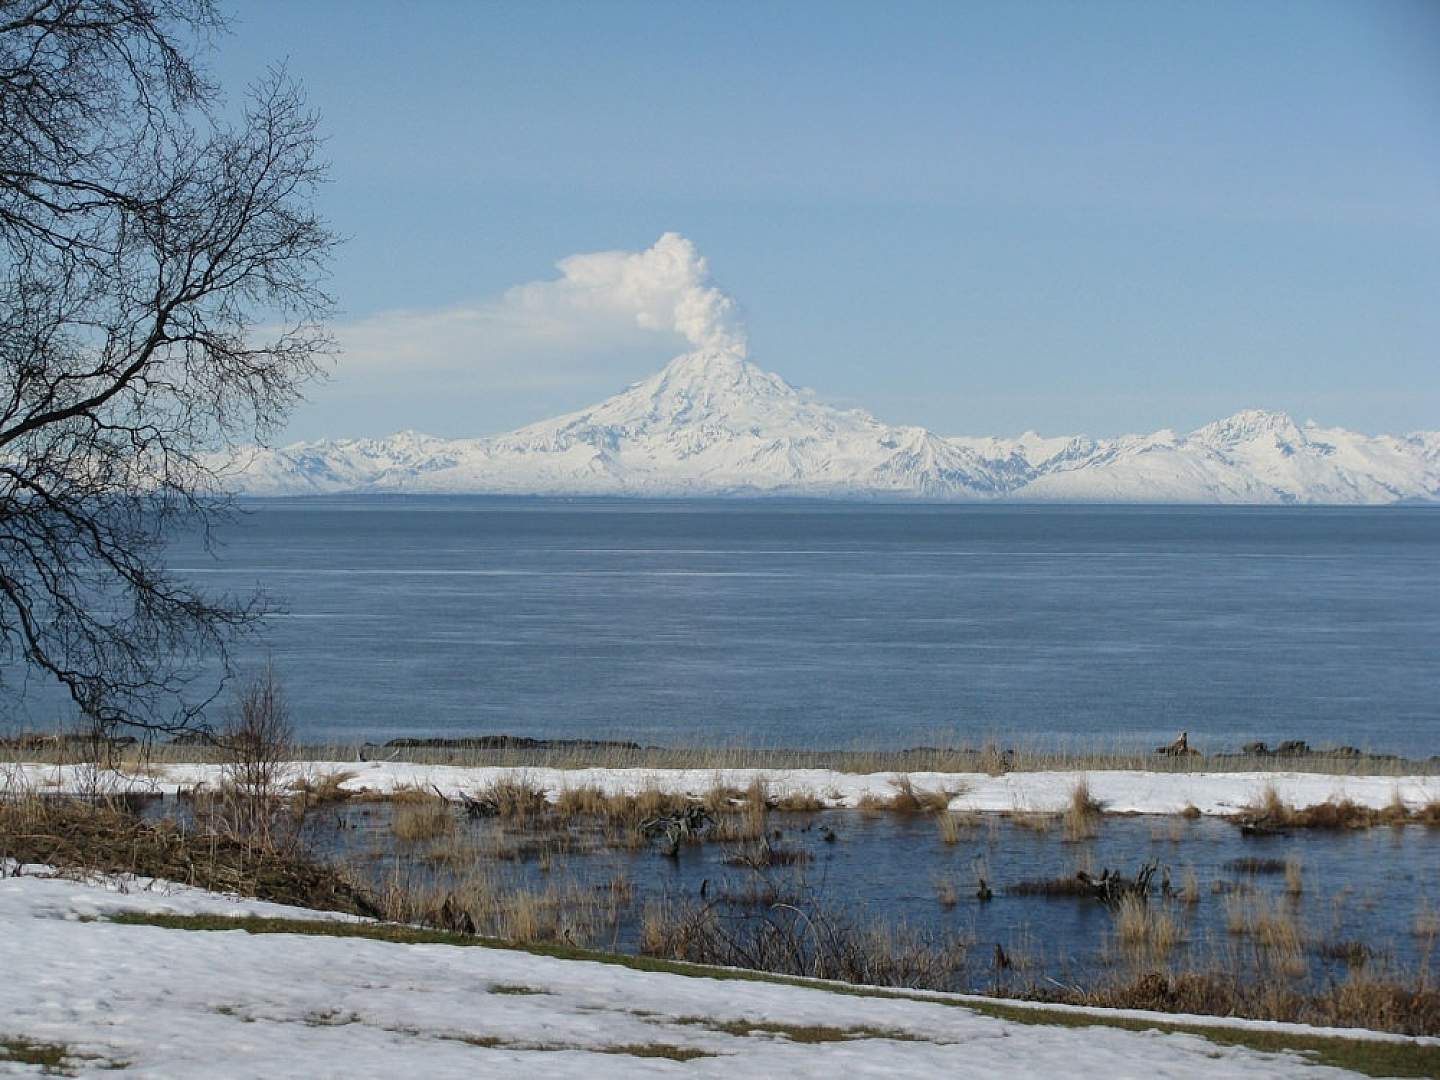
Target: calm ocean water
(845, 625)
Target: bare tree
(160, 302)
(257, 740)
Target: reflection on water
(1369, 896)
(837, 626)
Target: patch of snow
(176, 1003)
(1120, 791)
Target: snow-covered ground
(1124, 792)
(177, 1003)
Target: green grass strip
(50, 1057)
(1371, 1057)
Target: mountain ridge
(713, 423)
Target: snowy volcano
(713, 423)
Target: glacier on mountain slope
(713, 423)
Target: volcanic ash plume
(665, 288)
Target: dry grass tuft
(415, 822)
(1427, 922)
(1189, 887)
(994, 761)
(955, 826)
(588, 800)
(514, 798)
(757, 795)
(1145, 932)
(409, 794)
(1271, 926)
(764, 855)
(1267, 808)
(327, 787)
(803, 802)
(1294, 876)
(720, 798)
(1396, 813)
(1082, 814)
(908, 799)
(1033, 820)
(751, 822)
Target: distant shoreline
(853, 500)
(521, 752)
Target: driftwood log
(1179, 748)
(1110, 887)
(482, 807)
(676, 827)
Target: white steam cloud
(603, 303)
(608, 318)
(665, 287)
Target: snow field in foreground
(177, 1003)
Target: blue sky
(979, 217)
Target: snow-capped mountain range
(713, 423)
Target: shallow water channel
(1366, 896)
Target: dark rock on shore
(81, 741)
(508, 742)
(1299, 748)
(193, 738)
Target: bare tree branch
(160, 300)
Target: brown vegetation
(326, 787)
(1358, 1001)
(989, 758)
(1252, 865)
(1034, 820)
(512, 797)
(85, 836)
(764, 854)
(419, 821)
(798, 802)
(908, 799)
(1082, 813)
(1189, 887)
(1294, 876)
(803, 940)
(1071, 886)
(1269, 813)
(955, 826)
(1144, 931)
(480, 902)
(1272, 927)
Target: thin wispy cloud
(543, 331)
